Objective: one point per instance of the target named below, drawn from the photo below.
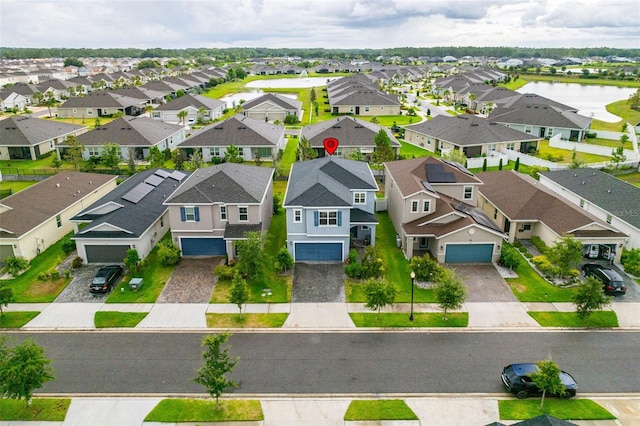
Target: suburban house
(523, 207)
(432, 204)
(358, 95)
(470, 134)
(216, 205)
(272, 107)
(33, 219)
(603, 195)
(18, 92)
(253, 138)
(100, 104)
(197, 107)
(131, 216)
(329, 204)
(13, 101)
(134, 135)
(539, 116)
(352, 133)
(23, 137)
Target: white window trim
(417, 206)
(223, 213)
(357, 195)
(187, 214)
(297, 219)
(240, 214)
(465, 195)
(328, 219)
(428, 209)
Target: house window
(297, 216)
(58, 221)
(581, 203)
(495, 213)
(359, 198)
(423, 242)
(328, 218)
(75, 110)
(223, 213)
(426, 204)
(609, 218)
(550, 132)
(190, 214)
(526, 227)
(527, 129)
(264, 152)
(468, 192)
(214, 152)
(162, 222)
(89, 111)
(338, 153)
(94, 151)
(243, 214)
(381, 107)
(511, 146)
(366, 109)
(414, 206)
(492, 147)
(350, 109)
(241, 152)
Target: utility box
(135, 284)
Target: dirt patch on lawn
(46, 288)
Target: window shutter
(183, 214)
(315, 218)
(196, 212)
(339, 218)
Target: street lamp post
(413, 277)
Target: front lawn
(40, 410)
(565, 156)
(246, 320)
(531, 287)
(420, 319)
(17, 319)
(409, 150)
(598, 319)
(196, 410)
(379, 409)
(572, 409)
(280, 285)
(632, 178)
(105, 319)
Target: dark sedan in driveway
(105, 279)
(517, 379)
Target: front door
(543, 132)
(357, 110)
(507, 226)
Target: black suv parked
(517, 380)
(612, 282)
(105, 279)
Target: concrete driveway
(318, 282)
(484, 283)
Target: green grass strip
(598, 319)
(105, 319)
(422, 319)
(246, 320)
(17, 319)
(197, 410)
(40, 410)
(573, 409)
(379, 409)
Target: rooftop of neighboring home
(533, 109)
(350, 132)
(237, 130)
(229, 183)
(102, 99)
(469, 130)
(280, 100)
(26, 209)
(20, 88)
(195, 101)
(25, 130)
(130, 131)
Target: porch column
(408, 249)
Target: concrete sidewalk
(446, 410)
(302, 316)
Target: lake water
(294, 83)
(591, 100)
(233, 100)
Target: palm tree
(37, 97)
(201, 112)
(148, 109)
(182, 115)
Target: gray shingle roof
(132, 218)
(238, 131)
(228, 183)
(102, 99)
(130, 131)
(327, 181)
(611, 194)
(468, 130)
(195, 101)
(350, 132)
(24, 130)
(280, 100)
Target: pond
(294, 83)
(591, 100)
(234, 99)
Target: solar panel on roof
(437, 174)
(161, 173)
(479, 217)
(458, 166)
(154, 180)
(138, 192)
(428, 186)
(177, 175)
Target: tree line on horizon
(244, 53)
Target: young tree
(182, 116)
(356, 155)
(217, 364)
(195, 160)
(38, 97)
(155, 158)
(132, 260)
(305, 151)
(253, 259)
(565, 254)
(232, 154)
(517, 165)
(110, 157)
(372, 266)
(56, 163)
(484, 165)
(509, 256)
(450, 292)
(617, 156)
(284, 259)
(456, 155)
(383, 151)
(239, 291)
(74, 151)
(312, 95)
(23, 369)
(6, 296)
(589, 297)
(178, 159)
(379, 293)
(548, 379)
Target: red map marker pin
(330, 145)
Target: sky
(376, 24)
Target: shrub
(15, 265)
(54, 274)
(425, 267)
(68, 246)
(353, 270)
(372, 266)
(77, 262)
(630, 260)
(284, 259)
(43, 276)
(539, 244)
(168, 253)
(224, 272)
(509, 257)
(543, 264)
(353, 256)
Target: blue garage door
(469, 253)
(318, 252)
(203, 247)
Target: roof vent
(608, 191)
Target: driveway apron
(318, 283)
(192, 281)
(77, 291)
(483, 283)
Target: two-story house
(217, 205)
(431, 203)
(329, 202)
